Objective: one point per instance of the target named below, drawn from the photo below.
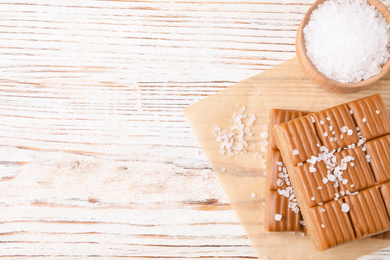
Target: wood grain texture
(96, 157)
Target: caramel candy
(282, 213)
(339, 168)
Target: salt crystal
(253, 195)
(300, 164)
(322, 225)
(326, 134)
(344, 129)
(278, 217)
(312, 169)
(264, 135)
(295, 152)
(347, 40)
(324, 180)
(313, 119)
(328, 118)
(302, 222)
(351, 111)
(312, 198)
(350, 132)
(345, 207)
(322, 122)
(377, 112)
(322, 210)
(364, 119)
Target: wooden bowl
(319, 78)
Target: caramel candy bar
(338, 162)
(282, 212)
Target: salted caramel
(338, 161)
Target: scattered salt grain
(377, 112)
(278, 217)
(345, 207)
(302, 222)
(351, 111)
(328, 118)
(344, 129)
(347, 40)
(364, 119)
(295, 152)
(300, 164)
(322, 122)
(350, 132)
(322, 225)
(312, 198)
(264, 135)
(253, 195)
(324, 180)
(322, 210)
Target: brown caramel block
(299, 149)
(379, 152)
(280, 205)
(277, 179)
(358, 174)
(313, 181)
(274, 170)
(351, 211)
(371, 116)
(384, 235)
(278, 116)
(329, 225)
(329, 124)
(385, 192)
(368, 212)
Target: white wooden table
(97, 159)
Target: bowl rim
(312, 72)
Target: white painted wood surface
(96, 157)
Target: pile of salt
(347, 40)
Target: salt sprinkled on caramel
(278, 217)
(345, 207)
(295, 152)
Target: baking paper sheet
(242, 176)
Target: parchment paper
(242, 176)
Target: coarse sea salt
(347, 40)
